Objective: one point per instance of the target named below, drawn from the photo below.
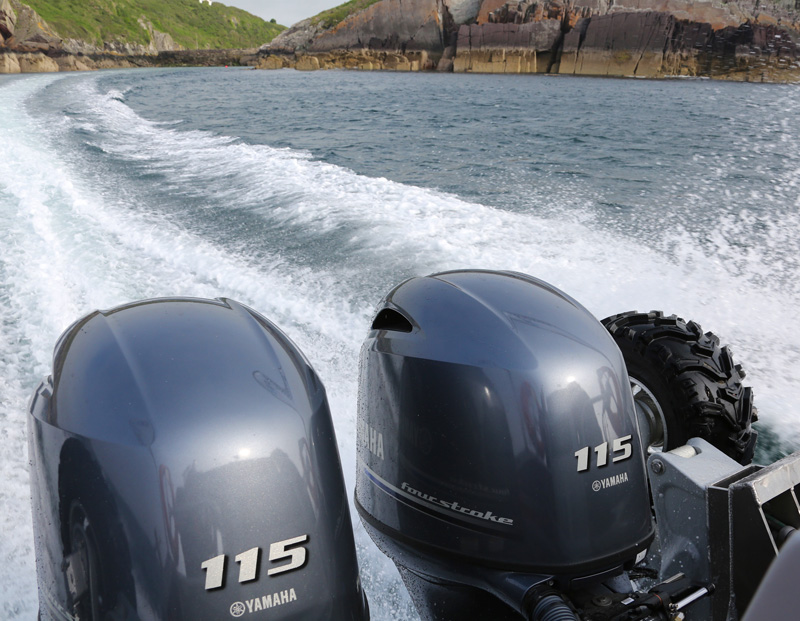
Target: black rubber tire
(696, 385)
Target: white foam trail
(75, 245)
(745, 292)
(18, 352)
(73, 250)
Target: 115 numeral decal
(620, 445)
(248, 562)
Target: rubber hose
(553, 608)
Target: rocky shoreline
(29, 45)
(746, 40)
(39, 62)
(736, 40)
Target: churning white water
(308, 197)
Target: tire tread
(700, 379)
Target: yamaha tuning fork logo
(610, 481)
(264, 602)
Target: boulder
(68, 62)
(463, 11)
(163, 42)
(113, 62)
(123, 48)
(77, 46)
(8, 19)
(31, 32)
(36, 63)
(159, 41)
(307, 63)
(9, 63)
(271, 61)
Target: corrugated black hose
(553, 608)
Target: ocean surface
(308, 196)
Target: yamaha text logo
(279, 598)
(370, 438)
(610, 482)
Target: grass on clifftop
(190, 23)
(331, 17)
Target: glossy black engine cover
(496, 428)
(197, 442)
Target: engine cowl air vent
(390, 319)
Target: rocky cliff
(29, 44)
(755, 40)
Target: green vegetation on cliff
(190, 23)
(331, 17)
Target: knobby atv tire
(694, 382)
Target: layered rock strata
(390, 25)
(739, 40)
(39, 62)
(401, 35)
(508, 48)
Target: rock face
(390, 25)
(16, 62)
(29, 32)
(75, 63)
(397, 35)
(8, 19)
(36, 63)
(756, 40)
(295, 39)
(655, 44)
(463, 11)
(628, 44)
(159, 41)
(508, 48)
(9, 63)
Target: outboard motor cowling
(184, 466)
(497, 440)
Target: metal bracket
(722, 523)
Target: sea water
(308, 196)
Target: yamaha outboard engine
(499, 461)
(184, 466)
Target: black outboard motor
(184, 466)
(499, 461)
